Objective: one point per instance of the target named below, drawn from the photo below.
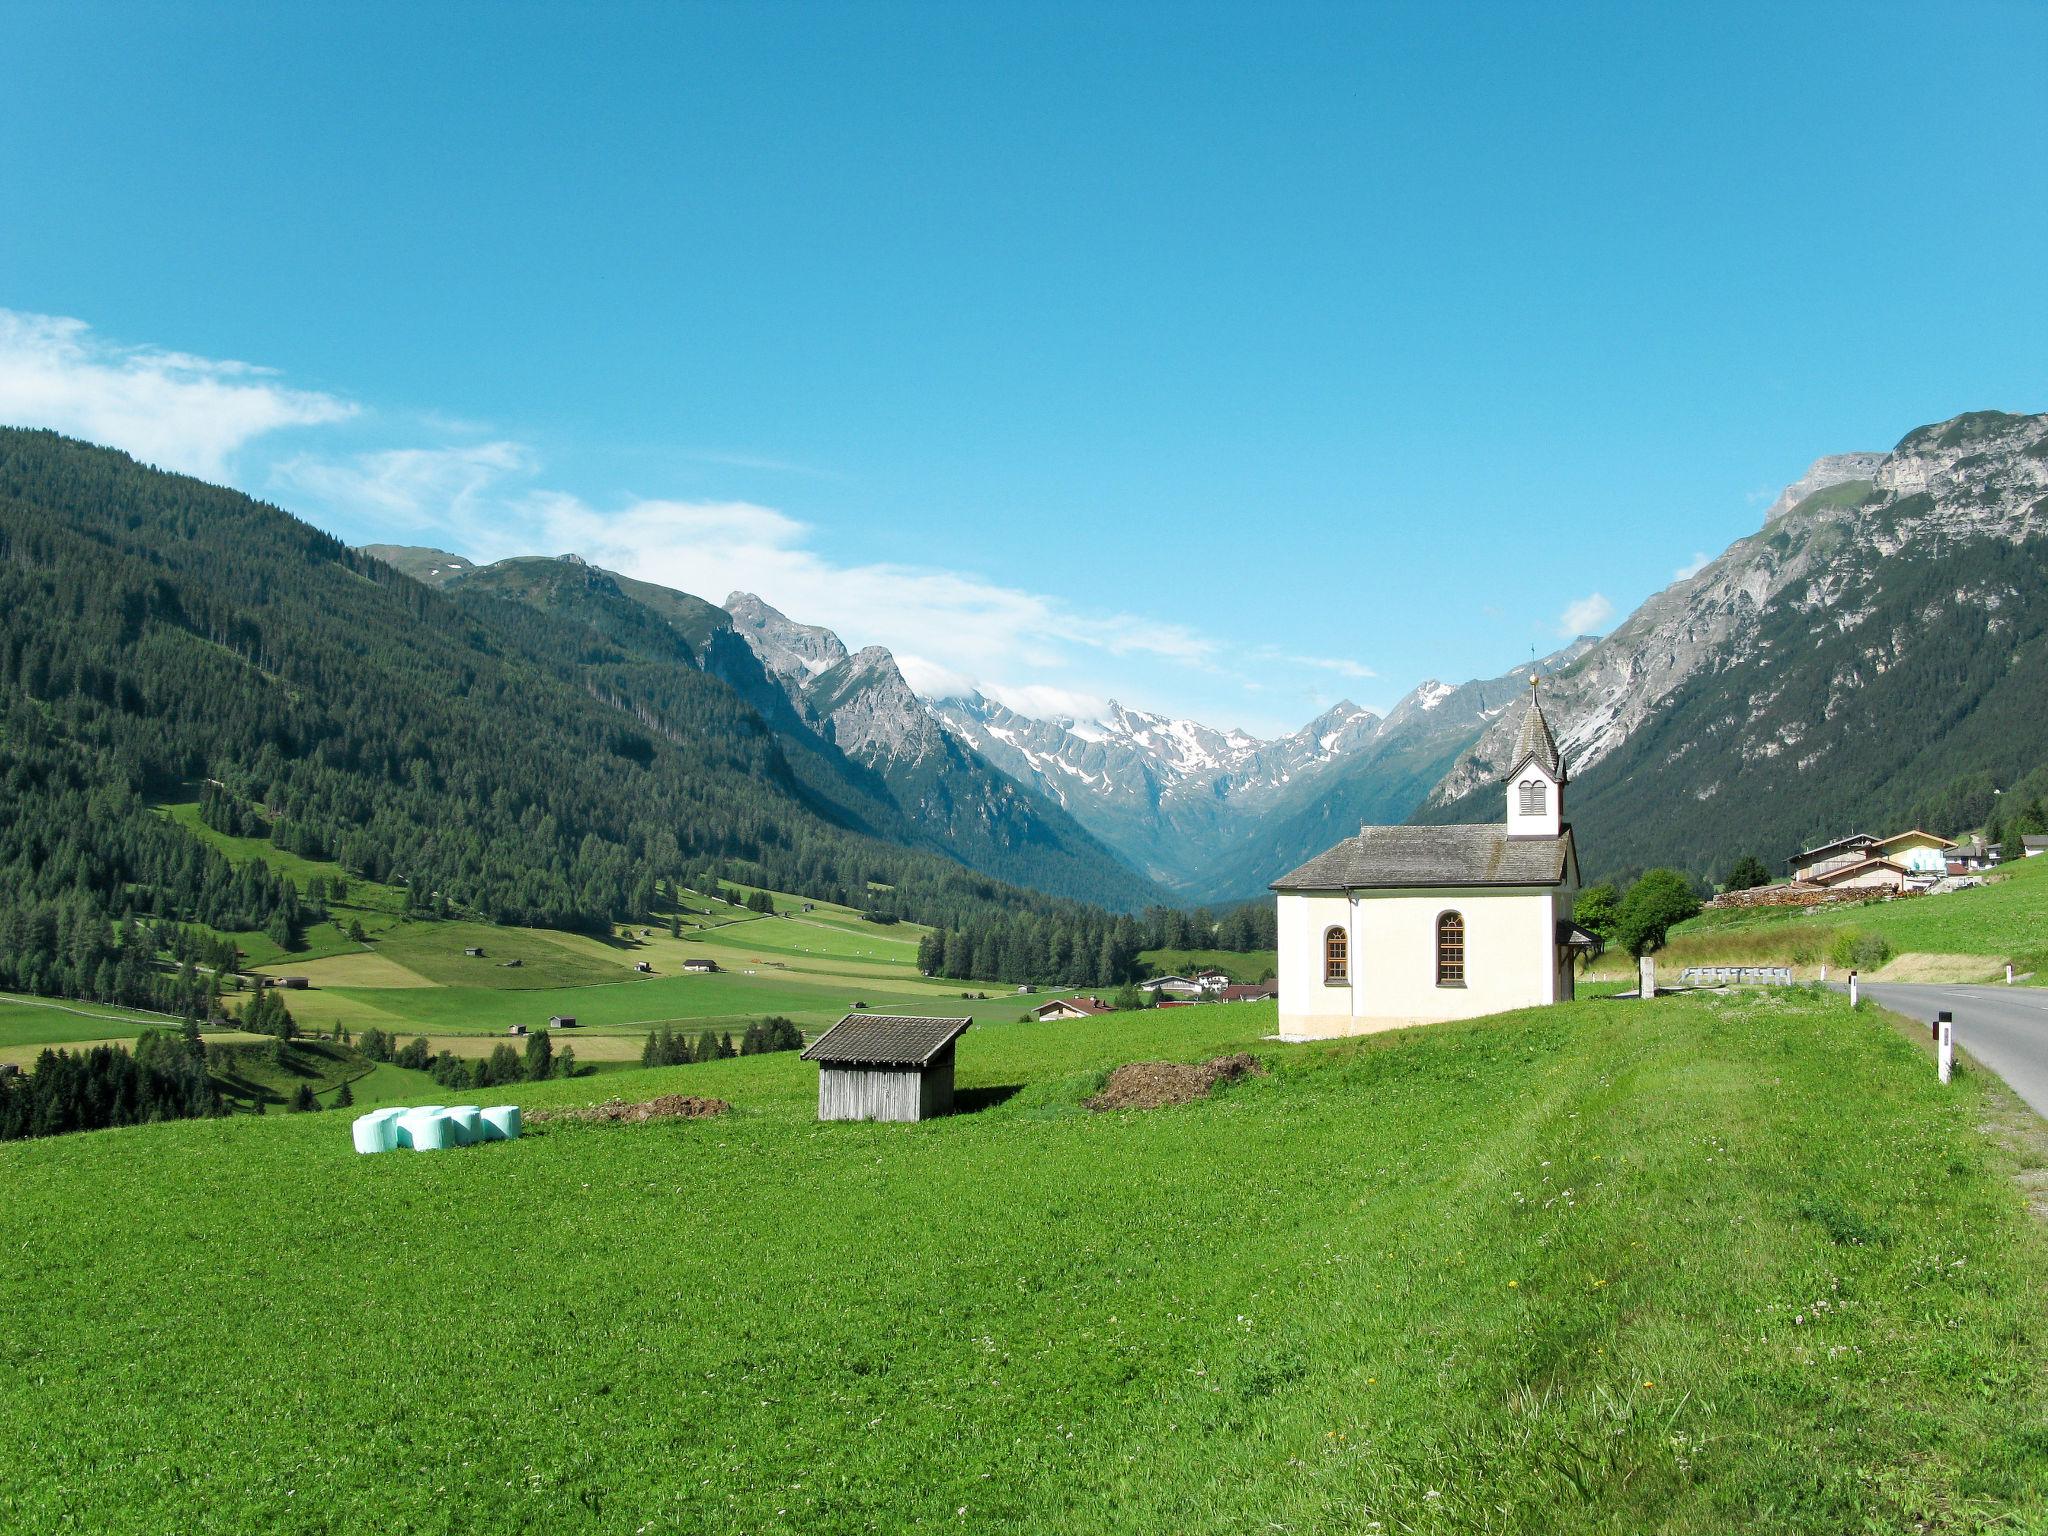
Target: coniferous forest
(168, 638)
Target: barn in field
(880, 1066)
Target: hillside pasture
(1607, 1267)
(2006, 919)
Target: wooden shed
(881, 1066)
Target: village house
(881, 1066)
(1183, 986)
(562, 1021)
(474, 951)
(1071, 1008)
(1917, 852)
(2032, 845)
(1414, 924)
(1212, 981)
(700, 964)
(644, 967)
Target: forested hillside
(489, 756)
(901, 779)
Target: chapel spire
(1536, 743)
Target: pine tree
(345, 1097)
(303, 1100)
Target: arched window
(1450, 950)
(1336, 957)
(1532, 797)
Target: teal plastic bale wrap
(501, 1122)
(377, 1131)
(425, 1129)
(463, 1118)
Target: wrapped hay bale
(377, 1131)
(423, 1121)
(462, 1119)
(501, 1122)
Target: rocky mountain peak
(791, 652)
(1823, 474)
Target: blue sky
(1225, 360)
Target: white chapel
(1412, 925)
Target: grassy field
(1978, 930)
(1691, 1266)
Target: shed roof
(1383, 857)
(884, 1040)
(1853, 840)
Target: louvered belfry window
(1336, 956)
(1532, 797)
(1450, 950)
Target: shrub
(1858, 951)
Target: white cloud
(1692, 567)
(167, 408)
(1337, 664)
(411, 488)
(712, 548)
(1585, 616)
(1044, 701)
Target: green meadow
(1692, 1266)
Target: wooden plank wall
(870, 1093)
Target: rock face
(1871, 642)
(791, 652)
(1824, 474)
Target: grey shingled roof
(1416, 856)
(1536, 742)
(884, 1040)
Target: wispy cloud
(982, 627)
(167, 408)
(1585, 616)
(411, 489)
(1342, 666)
(1692, 567)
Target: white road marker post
(2008, 973)
(1823, 973)
(1646, 977)
(1852, 989)
(1945, 1054)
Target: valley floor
(1694, 1265)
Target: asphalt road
(2005, 1028)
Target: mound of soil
(1156, 1084)
(670, 1106)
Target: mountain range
(1870, 643)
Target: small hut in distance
(880, 1066)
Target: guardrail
(1736, 976)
